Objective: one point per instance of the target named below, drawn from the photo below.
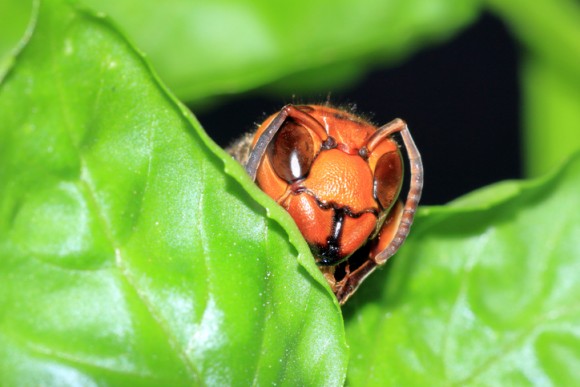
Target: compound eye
(388, 178)
(291, 152)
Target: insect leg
(415, 189)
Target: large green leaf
(127, 254)
(207, 48)
(485, 292)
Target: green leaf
(550, 29)
(127, 254)
(207, 48)
(550, 32)
(551, 115)
(485, 292)
(15, 16)
(303, 47)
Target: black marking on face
(330, 254)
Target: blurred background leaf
(203, 49)
(550, 33)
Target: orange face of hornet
(339, 177)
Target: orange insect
(339, 177)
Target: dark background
(460, 99)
